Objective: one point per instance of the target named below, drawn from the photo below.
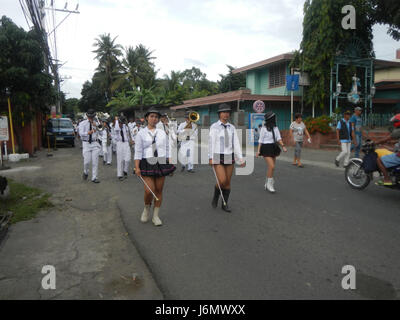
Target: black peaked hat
(152, 110)
(224, 108)
(90, 113)
(269, 115)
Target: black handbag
(277, 148)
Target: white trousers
(90, 152)
(123, 157)
(186, 154)
(346, 147)
(107, 151)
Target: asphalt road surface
(288, 245)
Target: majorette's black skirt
(154, 168)
(224, 159)
(269, 150)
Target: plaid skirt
(151, 169)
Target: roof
(382, 64)
(281, 58)
(238, 95)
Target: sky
(207, 34)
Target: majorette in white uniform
(90, 146)
(106, 142)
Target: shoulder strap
(273, 133)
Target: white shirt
(84, 128)
(217, 143)
(267, 136)
(116, 132)
(184, 133)
(144, 144)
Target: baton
(220, 190)
(149, 188)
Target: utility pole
(35, 10)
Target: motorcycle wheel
(356, 176)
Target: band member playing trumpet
(123, 142)
(151, 154)
(187, 132)
(223, 148)
(90, 146)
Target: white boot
(146, 212)
(270, 185)
(156, 219)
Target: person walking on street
(90, 145)
(344, 133)
(106, 143)
(297, 131)
(357, 134)
(223, 148)
(123, 143)
(188, 132)
(268, 148)
(151, 164)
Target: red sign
(259, 106)
(53, 112)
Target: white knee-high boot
(156, 219)
(146, 213)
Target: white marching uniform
(106, 145)
(188, 138)
(113, 144)
(121, 136)
(90, 147)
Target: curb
(140, 253)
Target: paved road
(292, 244)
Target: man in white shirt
(121, 136)
(90, 145)
(187, 131)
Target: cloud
(208, 34)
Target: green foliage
(93, 96)
(322, 33)
(387, 12)
(319, 124)
(22, 69)
(24, 202)
(231, 82)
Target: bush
(320, 124)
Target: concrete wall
(387, 74)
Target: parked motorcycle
(359, 177)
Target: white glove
(309, 140)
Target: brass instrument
(193, 118)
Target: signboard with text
(4, 129)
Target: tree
(92, 96)
(23, 71)
(387, 12)
(322, 33)
(71, 107)
(231, 82)
(107, 53)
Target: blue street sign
(292, 82)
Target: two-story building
(265, 81)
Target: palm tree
(107, 54)
(138, 68)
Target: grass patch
(24, 202)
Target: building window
(277, 75)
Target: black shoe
(96, 181)
(225, 207)
(84, 176)
(109, 164)
(336, 163)
(191, 171)
(121, 178)
(183, 168)
(214, 202)
(125, 175)
(104, 163)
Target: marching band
(152, 146)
